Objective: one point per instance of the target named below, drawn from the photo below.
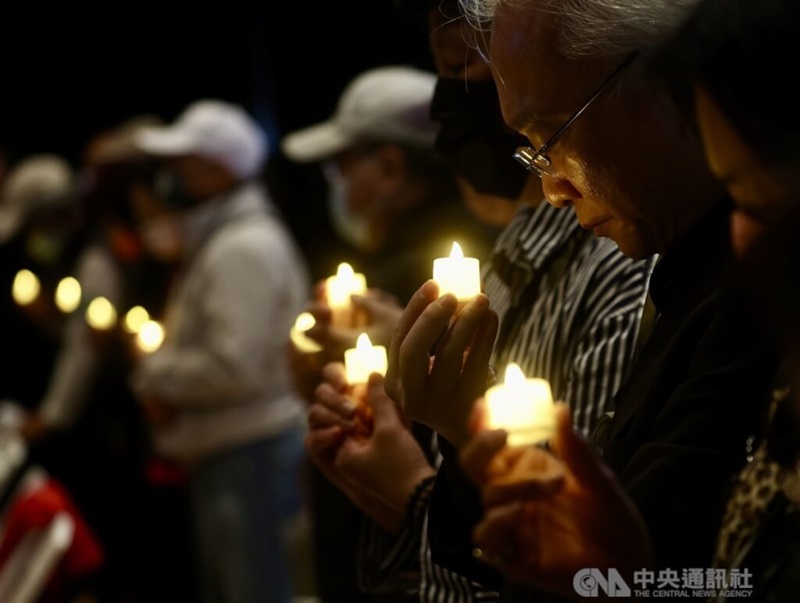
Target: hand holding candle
(359, 363)
(523, 407)
(458, 275)
(339, 288)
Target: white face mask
(351, 228)
(162, 237)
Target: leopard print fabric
(757, 485)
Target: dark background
(67, 74)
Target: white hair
(597, 28)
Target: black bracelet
(418, 500)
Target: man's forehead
(540, 83)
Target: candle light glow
(364, 359)
(339, 288)
(101, 314)
(135, 318)
(298, 336)
(26, 287)
(523, 407)
(457, 275)
(150, 336)
(68, 294)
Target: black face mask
(475, 140)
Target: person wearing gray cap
(42, 232)
(218, 392)
(395, 200)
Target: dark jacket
(697, 390)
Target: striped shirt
(570, 307)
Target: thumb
(578, 455)
(384, 411)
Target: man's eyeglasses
(538, 161)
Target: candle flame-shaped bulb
(68, 294)
(364, 359)
(456, 252)
(514, 375)
(364, 344)
(304, 322)
(345, 271)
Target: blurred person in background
(88, 428)
(394, 200)
(218, 393)
(42, 231)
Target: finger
(423, 297)
(414, 360)
(384, 410)
(333, 373)
(510, 489)
(497, 529)
(327, 395)
(476, 367)
(477, 454)
(342, 405)
(477, 420)
(321, 443)
(450, 350)
(321, 417)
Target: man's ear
(393, 163)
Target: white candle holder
(523, 407)
(458, 275)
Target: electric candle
(26, 287)
(523, 407)
(150, 336)
(364, 359)
(339, 288)
(68, 294)
(458, 275)
(135, 318)
(297, 334)
(101, 314)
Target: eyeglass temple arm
(606, 83)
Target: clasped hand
(439, 359)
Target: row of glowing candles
(100, 312)
(520, 405)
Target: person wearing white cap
(42, 232)
(395, 200)
(218, 392)
(391, 196)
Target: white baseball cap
(37, 182)
(386, 104)
(213, 129)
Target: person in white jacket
(218, 392)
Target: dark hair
(740, 52)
